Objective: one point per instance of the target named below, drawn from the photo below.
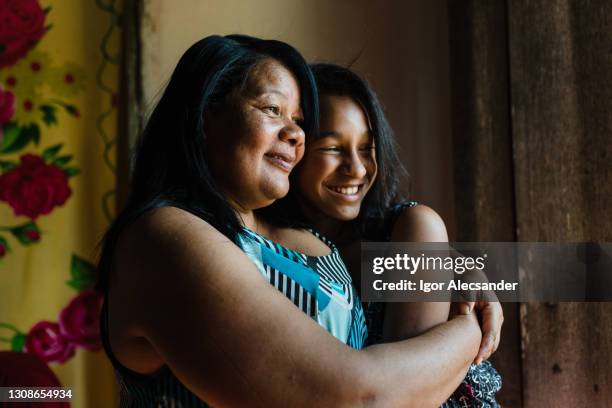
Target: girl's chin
(343, 214)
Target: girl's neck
(338, 231)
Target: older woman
(209, 300)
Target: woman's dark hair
(385, 192)
(170, 166)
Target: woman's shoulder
(418, 223)
(168, 237)
(167, 222)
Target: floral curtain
(58, 84)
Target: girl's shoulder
(407, 221)
(418, 223)
(379, 228)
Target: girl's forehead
(342, 115)
(331, 104)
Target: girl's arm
(235, 341)
(404, 320)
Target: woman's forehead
(270, 76)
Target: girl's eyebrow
(328, 133)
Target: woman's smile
(283, 161)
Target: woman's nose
(292, 134)
(353, 166)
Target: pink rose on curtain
(34, 187)
(45, 341)
(80, 320)
(23, 24)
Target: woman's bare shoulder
(419, 223)
(168, 220)
(161, 247)
(167, 229)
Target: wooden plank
(561, 92)
(483, 151)
(130, 96)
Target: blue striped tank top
(320, 286)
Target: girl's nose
(354, 166)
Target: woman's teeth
(345, 190)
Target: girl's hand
(492, 317)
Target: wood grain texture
(131, 117)
(482, 145)
(561, 92)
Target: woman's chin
(277, 191)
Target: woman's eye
(330, 149)
(274, 110)
(367, 148)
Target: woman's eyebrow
(265, 92)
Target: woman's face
(255, 141)
(340, 166)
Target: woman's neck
(245, 216)
(250, 220)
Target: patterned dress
(320, 286)
(482, 382)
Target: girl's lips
(346, 193)
(282, 161)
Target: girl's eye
(367, 148)
(330, 149)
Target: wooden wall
(532, 129)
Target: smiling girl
(347, 189)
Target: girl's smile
(339, 166)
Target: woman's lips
(281, 160)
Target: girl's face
(254, 143)
(340, 166)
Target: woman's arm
(404, 320)
(235, 341)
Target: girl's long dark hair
(170, 166)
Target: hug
(231, 277)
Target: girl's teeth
(346, 190)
